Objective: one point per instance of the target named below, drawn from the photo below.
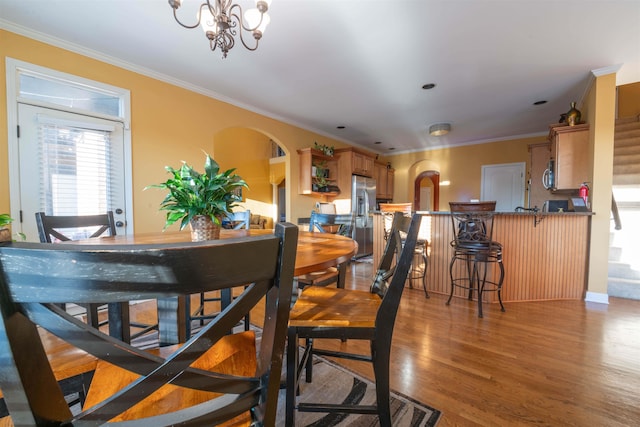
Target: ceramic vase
(573, 115)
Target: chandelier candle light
(221, 20)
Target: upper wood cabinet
(355, 162)
(384, 181)
(569, 152)
(311, 160)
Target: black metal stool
(473, 245)
(420, 258)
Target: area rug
(334, 383)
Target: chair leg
(480, 284)
(424, 275)
(381, 360)
(500, 285)
(453, 260)
(92, 315)
(470, 271)
(309, 365)
(292, 377)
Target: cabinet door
(570, 149)
(362, 165)
(381, 180)
(390, 179)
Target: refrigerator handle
(361, 206)
(366, 204)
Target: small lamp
(439, 129)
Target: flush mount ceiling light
(439, 129)
(221, 20)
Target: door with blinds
(70, 164)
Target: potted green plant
(200, 200)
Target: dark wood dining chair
(34, 277)
(64, 228)
(331, 313)
(238, 221)
(341, 224)
(57, 228)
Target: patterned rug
(337, 383)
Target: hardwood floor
(554, 363)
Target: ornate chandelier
(221, 20)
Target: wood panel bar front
(545, 255)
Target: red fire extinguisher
(584, 193)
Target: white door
(70, 164)
(505, 184)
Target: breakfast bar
(545, 254)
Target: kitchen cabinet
(312, 178)
(569, 156)
(384, 181)
(355, 162)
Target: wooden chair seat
(66, 360)
(233, 354)
(323, 307)
(319, 278)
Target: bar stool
(420, 258)
(473, 246)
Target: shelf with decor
(318, 174)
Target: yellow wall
(168, 124)
(629, 100)
(461, 166)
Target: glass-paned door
(70, 164)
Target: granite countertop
(528, 213)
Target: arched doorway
(433, 178)
(262, 162)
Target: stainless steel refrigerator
(363, 203)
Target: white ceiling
(362, 63)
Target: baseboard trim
(597, 297)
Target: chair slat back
(241, 219)
(401, 247)
(52, 228)
(472, 223)
(33, 276)
(319, 222)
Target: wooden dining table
(315, 251)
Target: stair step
(628, 160)
(623, 288)
(619, 270)
(620, 178)
(626, 150)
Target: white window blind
(76, 171)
